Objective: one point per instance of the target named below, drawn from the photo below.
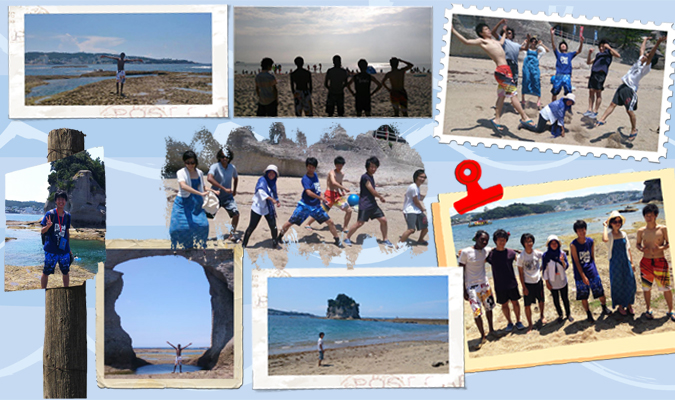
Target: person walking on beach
(476, 285)
(319, 345)
(361, 90)
(586, 277)
(553, 114)
(266, 90)
(626, 94)
(310, 204)
(506, 86)
(301, 87)
(179, 357)
(335, 82)
(368, 208)
(529, 272)
(56, 238)
(621, 267)
(554, 262)
(506, 287)
(265, 199)
(531, 73)
(397, 94)
(121, 75)
(414, 211)
(511, 48)
(599, 70)
(563, 66)
(223, 175)
(336, 193)
(652, 240)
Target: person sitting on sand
(506, 86)
(554, 262)
(652, 240)
(121, 75)
(335, 193)
(553, 114)
(529, 272)
(531, 72)
(368, 208)
(179, 358)
(56, 233)
(223, 175)
(626, 94)
(265, 199)
(397, 94)
(476, 285)
(586, 275)
(310, 204)
(266, 90)
(599, 70)
(301, 87)
(414, 211)
(362, 91)
(335, 82)
(511, 48)
(506, 287)
(621, 267)
(563, 66)
(320, 347)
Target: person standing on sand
(621, 267)
(599, 70)
(335, 82)
(563, 66)
(179, 357)
(335, 193)
(652, 240)
(56, 233)
(397, 94)
(554, 262)
(529, 272)
(121, 75)
(223, 175)
(511, 48)
(476, 285)
(320, 347)
(265, 199)
(626, 94)
(319, 67)
(301, 87)
(531, 72)
(506, 286)
(586, 277)
(413, 209)
(363, 94)
(266, 90)
(506, 86)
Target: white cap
(272, 167)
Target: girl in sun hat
(553, 115)
(554, 262)
(621, 269)
(265, 199)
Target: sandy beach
(28, 278)
(317, 240)
(416, 357)
(555, 334)
(472, 92)
(224, 369)
(418, 88)
(160, 88)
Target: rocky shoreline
(28, 278)
(75, 233)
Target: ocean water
(165, 369)
(286, 67)
(290, 334)
(78, 70)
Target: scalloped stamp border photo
(563, 83)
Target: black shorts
(535, 291)
(372, 213)
(503, 296)
(597, 80)
(269, 110)
(627, 97)
(514, 70)
(362, 104)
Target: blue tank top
(585, 259)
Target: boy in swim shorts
(56, 233)
(179, 357)
(361, 92)
(652, 240)
(335, 82)
(301, 87)
(599, 70)
(563, 66)
(397, 94)
(121, 75)
(335, 193)
(414, 210)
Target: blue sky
(165, 298)
(318, 33)
(177, 36)
(380, 297)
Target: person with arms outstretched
(179, 357)
(121, 75)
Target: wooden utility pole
(64, 363)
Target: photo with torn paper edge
(551, 90)
(56, 222)
(167, 318)
(118, 61)
(566, 220)
(364, 328)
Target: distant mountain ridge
(271, 311)
(55, 58)
(21, 204)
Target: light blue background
(135, 149)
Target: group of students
(504, 51)
(189, 226)
(336, 80)
(536, 269)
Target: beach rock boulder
(652, 191)
(86, 201)
(253, 156)
(343, 307)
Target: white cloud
(90, 44)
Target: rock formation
(252, 156)
(343, 307)
(86, 201)
(652, 191)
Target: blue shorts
(583, 290)
(561, 81)
(320, 354)
(51, 260)
(302, 211)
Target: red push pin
(477, 196)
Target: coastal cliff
(343, 307)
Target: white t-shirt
(548, 115)
(319, 344)
(409, 206)
(183, 175)
(556, 274)
(259, 204)
(531, 265)
(636, 73)
(474, 261)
